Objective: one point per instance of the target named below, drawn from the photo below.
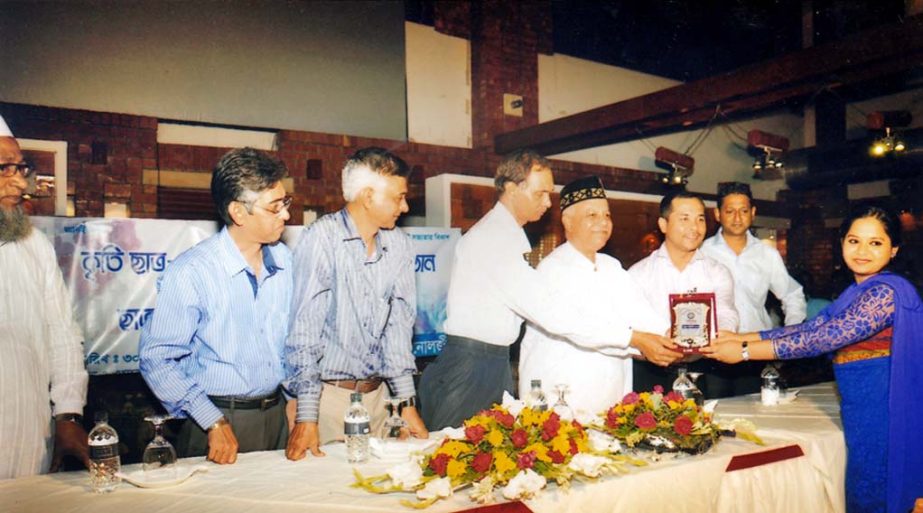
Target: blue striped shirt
(353, 315)
(217, 329)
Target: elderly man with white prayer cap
(579, 274)
(43, 382)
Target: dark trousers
(256, 430)
(468, 376)
(717, 380)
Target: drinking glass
(561, 407)
(159, 453)
(394, 428)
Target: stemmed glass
(159, 453)
(561, 407)
(697, 394)
(394, 426)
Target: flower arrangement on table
(510, 446)
(663, 422)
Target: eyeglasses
(8, 169)
(275, 208)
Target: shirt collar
(351, 233)
(234, 261)
(720, 241)
(507, 222)
(578, 258)
(662, 253)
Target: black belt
(246, 403)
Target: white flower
(455, 433)
(526, 484)
(602, 442)
(585, 418)
(514, 406)
(587, 464)
(483, 491)
(436, 489)
(406, 475)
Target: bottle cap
(355, 397)
(536, 383)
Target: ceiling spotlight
(770, 147)
(679, 166)
(886, 121)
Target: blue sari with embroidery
(881, 398)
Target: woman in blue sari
(875, 332)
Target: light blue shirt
(217, 329)
(353, 315)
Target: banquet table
(801, 468)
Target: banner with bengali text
(111, 268)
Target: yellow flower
(689, 403)
(541, 452)
(455, 468)
(646, 399)
(628, 408)
(495, 437)
(503, 463)
(560, 443)
(529, 417)
(478, 420)
(453, 448)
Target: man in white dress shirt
(679, 267)
(43, 383)
(577, 273)
(493, 290)
(757, 268)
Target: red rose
(573, 447)
(646, 421)
(525, 460)
(630, 398)
(556, 457)
(612, 419)
(439, 463)
(658, 389)
(674, 396)
(475, 433)
(551, 426)
(506, 420)
(682, 425)
(578, 427)
(481, 462)
(520, 438)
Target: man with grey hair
(212, 352)
(353, 314)
(43, 383)
(493, 290)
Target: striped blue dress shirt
(217, 329)
(353, 315)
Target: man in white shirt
(756, 267)
(493, 289)
(43, 383)
(578, 274)
(679, 267)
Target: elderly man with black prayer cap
(493, 290)
(579, 274)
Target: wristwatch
(410, 401)
(223, 421)
(745, 351)
(76, 418)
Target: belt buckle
(266, 403)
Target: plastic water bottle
(356, 428)
(537, 399)
(770, 390)
(104, 455)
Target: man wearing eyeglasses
(354, 309)
(42, 376)
(212, 352)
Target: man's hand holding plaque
(693, 320)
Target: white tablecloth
(267, 482)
